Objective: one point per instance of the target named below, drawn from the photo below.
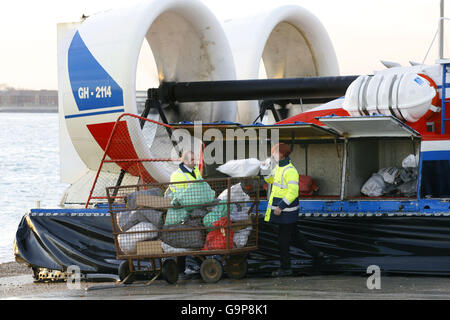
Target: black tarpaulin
(397, 244)
(58, 240)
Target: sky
(363, 32)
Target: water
(29, 170)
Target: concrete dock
(334, 287)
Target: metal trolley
(213, 220)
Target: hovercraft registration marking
(100, 92)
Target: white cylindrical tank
(289, 41)
(405, 95)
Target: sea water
(29, 170)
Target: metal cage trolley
(213, 220)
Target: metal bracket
(267, 105)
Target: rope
(434, 38)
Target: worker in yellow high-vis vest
(187, 171)
(282, 209)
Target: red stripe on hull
(121, 147)
(436, 137)
(309, 116)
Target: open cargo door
(369, 126)
(235, 131)
(297, 131)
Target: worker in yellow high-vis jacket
(282, 209)
(187, 171)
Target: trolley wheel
(236, 267)
(170, 271)
(211, 270)
(125, 275)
